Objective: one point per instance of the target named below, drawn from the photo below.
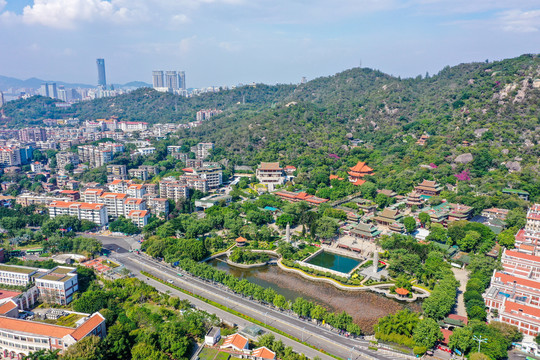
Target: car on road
(170, 281)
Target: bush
(419, 350)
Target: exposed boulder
(513, 166)
(464, 158)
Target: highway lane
(315, 335)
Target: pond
(364, 306)
(334, 262)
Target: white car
(170, 281)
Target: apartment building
(212, 174)
(96, 213)
(64, 158)
(119, 186)
(94, 156)
(32, 199)
(202, 150)
(114, 203)
(57, 285)
(158, 206)
(173, 189)
(9, 157)
(92, 195)
(16, 275)
(134, 204)
(139, 217)
(528, 238)
(141, 174)
(136, 191)
(116, 172)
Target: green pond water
(334, 262)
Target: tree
(437, 233)
(469, 241)
(284, 219)
(461, 339)
(507, 238)
(516, 218)
(118, 343)
(424, 218)
(410, 224)
(326, 228)
(427, 333)
(90, 348)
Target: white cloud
(520, 21)
(2, 4)
(68, 13)
(180, 19)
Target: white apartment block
(202, 150)
(173, 189)
(64, 158)
(16, 275)
(136, 191)
(114, 203)
(94, 156)
(134, 204)
(139, 217)
(92, 195)
(96, 213)
(10, 157)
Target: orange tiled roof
(332, 177)
(264, 352)
(237, 341)
(81, 205)
(512, 307)
(521, 255)
(31, 327)
(269, 166)
(7, 307)
(138, 213)
(115, 195)
(361, 167)
(87, 326)
(241, 239)
(402, 291)
(358, 182)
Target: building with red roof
(236, 342)
(358, 171)
(515, 291)
(263, 353)
(96, 213)
(299, 196)
(28, 336)
(270, 174)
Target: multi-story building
(92, 195)
(94, 155)
(515, 291)
(528, 238)
(119, 186)
(9, 157)
(173, 189)
(141, 174)
(195, 182)
(212, 174)
(64, 158)
(151, 189)
(115, 172)
(134, 204)
(32, 134)
(19, 337)
(145, 151)
(271, 175)
(202, 150)
(114, 203)
(57, 285)
(139, 217)
(136, 191)
(129, 126)
(32, 199)
(16, 275)
(157, 79)
(358, 172)
(96, 213)
(158, 206)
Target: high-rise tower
(102, 82)
(171, 80)
(157, 78)
(182, 80)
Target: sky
(227, 42)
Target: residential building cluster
(206, 114)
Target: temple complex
(358, 171)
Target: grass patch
(234, 312)
(223, 356)
(208, 354)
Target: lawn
(213, 354)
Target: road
(309, 332)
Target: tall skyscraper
(102, 81)
(157, 79)
(182, 80)
(171, 80)
(62, 93)
(51, 88)
(44, 90)
(1, 99)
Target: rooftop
(269, 166)
(18, 269)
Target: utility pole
(480, 340)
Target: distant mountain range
(34, 83)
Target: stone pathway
(462, 276)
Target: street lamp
(480, 340)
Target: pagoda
(358, 171)
(414, 199)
